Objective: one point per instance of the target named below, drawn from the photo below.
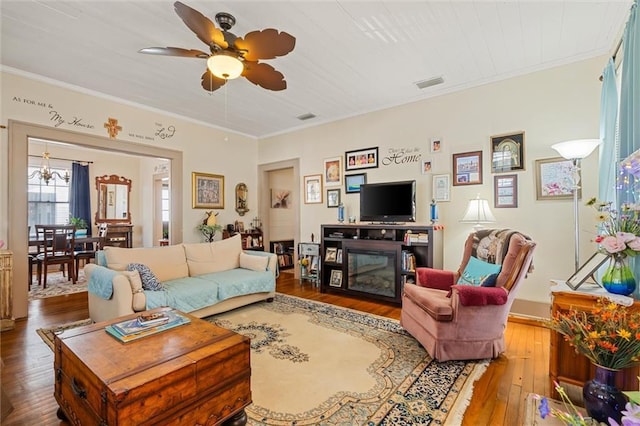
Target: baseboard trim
(530, 309)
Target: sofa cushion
(205, 258)
(239, 281)
(167, 263)
(149, 280)
(477, 271)
(432, 301)
(227, 252)
(254, 263)
(185, 294)
(139, 302)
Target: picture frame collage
(507, 157)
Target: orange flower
(609, 334)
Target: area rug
(317, 364)
(57, 285)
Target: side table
(311, 272)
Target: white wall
(205, 149)
(549, 106)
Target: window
(47, 204)
(166, 208)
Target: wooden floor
(498, 397)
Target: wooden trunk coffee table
(195, 374)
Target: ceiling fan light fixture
(225, 66)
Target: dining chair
(33, 260)
(89, 249)
(57, 249)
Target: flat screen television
(388, 202)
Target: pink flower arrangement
(619, 233)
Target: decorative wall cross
(112, 127)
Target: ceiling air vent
(306, 116)
(428, 83)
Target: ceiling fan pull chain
(226, 88)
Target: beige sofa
(200, 278)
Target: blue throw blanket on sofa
(101, 282)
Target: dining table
(34, 242)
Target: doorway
(282, 175)
(161, 208)
(19, 134)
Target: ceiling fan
(231, 56)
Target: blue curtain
(630, 114)
(80, 196)
(630, 101)
(608, 120)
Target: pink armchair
(457, 322)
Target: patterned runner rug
(317, 364)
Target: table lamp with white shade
(576, 150)
(478, 212)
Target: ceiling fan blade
(264, 75)
(174, 51)
(200, 25)
(265, 44)
(210, 82)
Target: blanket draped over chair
(491, 245)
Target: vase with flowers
(618, 237)
(609, 336)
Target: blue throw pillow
(149, 280)
(477, 271)
(489, 280)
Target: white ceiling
(351, 57)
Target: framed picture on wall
(436, 145)
(507, 152)
(554, 179)
(467, 168)
(333, 197)
(426, 166)
(313, 189)
(352, 182)
(441, 188)
(361, 159)
(505, 191)
(333, 171)
(207, 191)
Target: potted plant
(209, 227)
(80, 224)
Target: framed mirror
(242, 194)
(113, 199)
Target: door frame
(18, 144)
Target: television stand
(376, 260)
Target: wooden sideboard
(119, 235)
(566, 367)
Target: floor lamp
(575, 151)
